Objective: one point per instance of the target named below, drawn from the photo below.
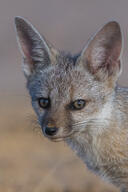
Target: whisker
(88, 123)
(35, 126)
(92, 121)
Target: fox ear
(102, 54)
(35, 50)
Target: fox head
(69, 93)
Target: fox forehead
(61, 80)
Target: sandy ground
(29, 162)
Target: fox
(77, 98)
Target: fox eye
(44, 102)
(78, 104)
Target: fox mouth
(60, 137)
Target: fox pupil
(78, 104)
(44, 102)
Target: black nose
(50, 131)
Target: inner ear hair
(102, 54)
(36, 51)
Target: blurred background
(28, 161)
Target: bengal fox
(77, 99)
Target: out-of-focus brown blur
(28, 161)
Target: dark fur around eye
(77, 104)
(44, 102)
